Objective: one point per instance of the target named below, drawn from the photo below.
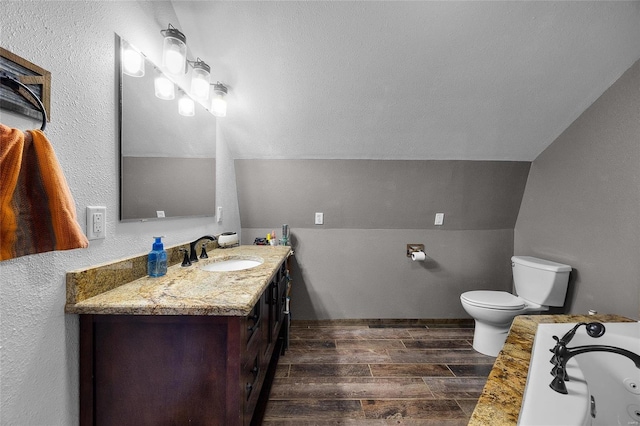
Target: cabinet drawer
(251, 372)
(252, 378)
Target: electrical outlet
(96, 222)
(219, 215)
(319, 219)
(439, 219)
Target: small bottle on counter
(157, 259)
(284, 240)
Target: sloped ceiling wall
(408, 80)
(582, 202)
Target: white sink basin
(232, 265)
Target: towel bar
(13, 83)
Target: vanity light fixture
(186, 106)
(174, 51)
(200, 79)
(164, 87)
(219, 104)
(132, 60)
(175, 63)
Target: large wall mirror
(167, 160)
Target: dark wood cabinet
(181, 370)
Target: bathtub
(603, 390)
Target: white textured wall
(76, 42)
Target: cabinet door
(159, 370)
(254, 323)
(282, 292)
(275, 308)
(267, 304)
(279, 298)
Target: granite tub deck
(501, 398)
(122, 287)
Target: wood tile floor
(377, 373)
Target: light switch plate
(439, 219)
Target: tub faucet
(594, 329)
(194, 255)
(562, 354)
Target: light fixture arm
(199, 64)
(172, 31)
(219, 88)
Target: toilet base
(488, 339)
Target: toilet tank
(540, 281)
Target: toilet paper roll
(418, 256)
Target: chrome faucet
(562, 354)
(203, 255)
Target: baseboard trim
(387, 322)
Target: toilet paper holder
(411, 248)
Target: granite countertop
(105, 289)
(501, 398)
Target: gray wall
(355, 265)
(178, 186)
(581, 205)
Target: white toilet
(538, 283)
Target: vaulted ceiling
(478, 80)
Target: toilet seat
(499, 300)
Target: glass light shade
(174, 52)
(200, 80)
(164, 88)
(132, 62)
(219, 106)
(186, 106)
(200, 84)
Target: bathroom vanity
(192, 347)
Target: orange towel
(37, 211)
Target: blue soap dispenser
(157, 259)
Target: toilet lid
(493, 299)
